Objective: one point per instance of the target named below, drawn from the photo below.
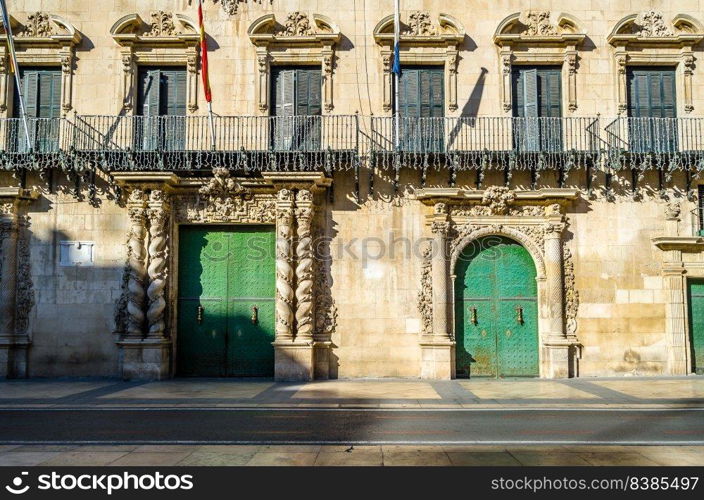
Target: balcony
(240, 143)
(662, 143)
(49, 142)
(486, 142)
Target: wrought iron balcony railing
(239, 142)
(656, 142)
(49, 138)
(464, 142)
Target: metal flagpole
(212, 125)
(397, 68)
(13, 60)
(204, 72)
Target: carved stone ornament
(297, 24)
(673, 211)
(38, 25)
(425, 295)
(223, 197)
(420, 24)
(24, 296)
(571, 294)
(538, 24)
(651, 24)
(230, 209)
(498, 199)
(162, 24)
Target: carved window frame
(33, 49)
(440, 47)
(675, 49)
(559, 48)
(138, 47)
(278, 45)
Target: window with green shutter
(537, 107)
(421, 108)
(162, 108)
(41, 90)
(652, 108)
(297, 98)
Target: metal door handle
(199, 314)
(473, 311)
(255, 315)
(519, 315)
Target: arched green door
(496, 317)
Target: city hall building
(532, 210)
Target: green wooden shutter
(669, 107)
(437, 92)
(409, 97)
(173, 92)
(284, 96)
(518, 100)
(550, 93)
(530, 93)
(49, 94)
(308, 84)
(150, 93)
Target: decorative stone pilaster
(16, 288)
(437, 346)
(136, 293)
(284, 266)
(304, 268)
(158, 215)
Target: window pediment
(162, 28)
(421, 29)
(539, 27)
(42, 28)
(650, 27)
(297, 28)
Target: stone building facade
(565, 140)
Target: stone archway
(456, 221)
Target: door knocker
(199, 314)
(519, 315)
(473, 312)
(255, 315)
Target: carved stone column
(158, 215)
(437, 349)
(16, 292)
(293, 360)
(136, 254)
(557, 348)
(304, 268)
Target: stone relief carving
(425, 295)
(38, 25)
(224, 199)
(157, 270)
(24, 296)
(420, 24)
(673, 210)
(162, 24)
(652, 25)
(297, 24)
(571, 293)
(538, 24)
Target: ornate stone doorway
(496, 316)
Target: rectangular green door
(227, 273)
(696, 324)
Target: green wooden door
(696, 324)
(496, 317)
(230, 275)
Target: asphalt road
(353, 426)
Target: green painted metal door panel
(696, 324)
(496, 310)
(252, 285)
(226, 272)
(202, 282)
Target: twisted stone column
(8, 265)
(284, 266)
(137, 271)
(304, 269)
(157, 270)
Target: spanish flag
(204, 55)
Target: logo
(16, 487)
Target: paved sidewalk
(377, 393)
(390, 455)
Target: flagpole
(204, 73)
(397, 65)
(13, 59)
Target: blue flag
(397, 60)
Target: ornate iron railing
(240, 142)
(503, 142)
(50, 140)
(644, 143)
